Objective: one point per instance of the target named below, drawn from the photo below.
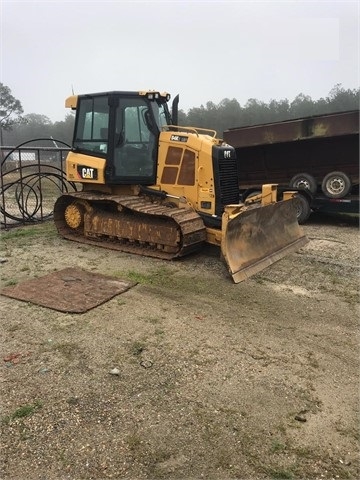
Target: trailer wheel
(336, 185)
(303, 209)
(253, 204)
(253, 194)
(304, 180)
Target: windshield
(92, 124)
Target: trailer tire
(256, 204)
(253, 194)
(303, 209)
(336, 185)
(304, 180)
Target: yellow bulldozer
(155, 188)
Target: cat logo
(178, 138)
(87, 173)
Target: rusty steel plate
(71, 290)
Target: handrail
(196, 130)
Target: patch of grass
(277, 446)
(159, 331)
(158, 277)
(25, 410)
(171, 281)
(25, 236)
(10, 282)
(46, 229)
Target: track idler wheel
(74, 215)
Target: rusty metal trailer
(317, 155)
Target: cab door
(135, 143)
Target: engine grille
(226, 178)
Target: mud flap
(254, 238)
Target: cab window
(91, 131)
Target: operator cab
(123, 128)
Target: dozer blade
(255, 238)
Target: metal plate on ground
(71, 290)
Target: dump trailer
(154, 188)
(317, 155)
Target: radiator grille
(229, 188)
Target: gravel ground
(186, 375)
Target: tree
(228, 114)
(64, 130)
(342, 100)
(302, 106)
(10, 108)
(279, 110)
(255, 112)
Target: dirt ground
(213, 380)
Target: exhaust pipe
(175, 111)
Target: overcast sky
(203, 50)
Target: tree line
(16, 128)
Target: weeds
(43, 230)
(23, 411)
(171, 279)
(277, 447)
(10, 283)
(158, 277)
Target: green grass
(277, 447)
(10, 283)
(158, 277)
(170, 279)
(23, 411)
(46, 229)
(26, 410)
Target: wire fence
(32, 178)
